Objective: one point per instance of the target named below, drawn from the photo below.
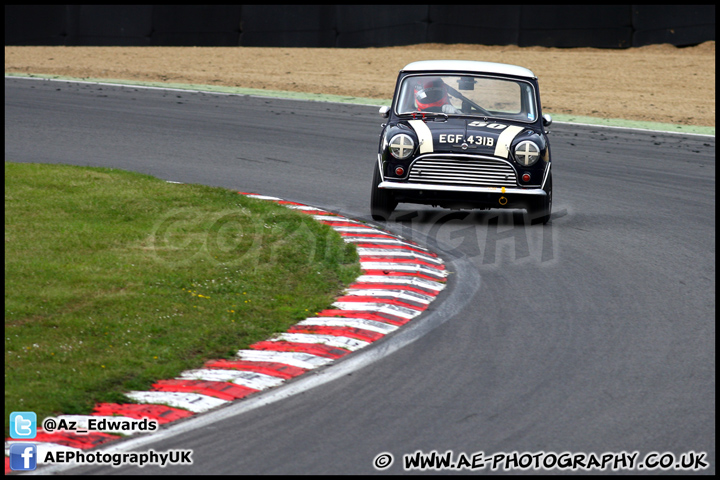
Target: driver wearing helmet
(431, 95)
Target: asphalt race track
(593, 334)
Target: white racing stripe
(424, 135)
(502, 149)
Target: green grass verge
(114, 280)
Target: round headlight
(401, 146)
(527, 153)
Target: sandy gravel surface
(659, 83)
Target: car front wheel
(382, 202)
(539, 211)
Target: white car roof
(469, 66)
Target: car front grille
(462, 170)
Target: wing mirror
(384, 111)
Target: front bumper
(456, 188)
(457, 196)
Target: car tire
(539, 211)
(382, 202)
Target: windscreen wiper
(434, 116)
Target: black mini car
(464, 134)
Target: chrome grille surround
(465, 170)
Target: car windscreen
(468, 95)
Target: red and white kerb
(399, 281)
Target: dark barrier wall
(600, 26)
